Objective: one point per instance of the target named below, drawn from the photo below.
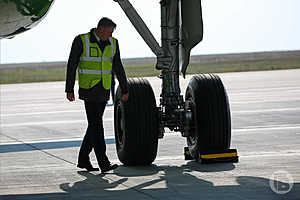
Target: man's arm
(118, 69)
(74, 57)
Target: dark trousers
(94, 136)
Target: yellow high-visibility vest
(95, 65)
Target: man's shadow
(91, 182)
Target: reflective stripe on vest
(88, 71)
(97, 59)
(94, 64)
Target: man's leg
(95, 112)
(87, 143)
(99, 143)
(85, 149)
(98, 139)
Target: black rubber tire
(211, 126)
(136, 124)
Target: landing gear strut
(203, 118)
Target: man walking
(96, 55)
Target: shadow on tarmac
(9, 148)
(168, 182)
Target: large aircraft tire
(211, 120)
(136, 124)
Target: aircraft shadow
(167, 182)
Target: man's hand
(125, 97)
(70, 96)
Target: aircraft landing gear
(204, 116)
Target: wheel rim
(120, 125)
(190, 105)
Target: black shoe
(109, 168)
(88, 167)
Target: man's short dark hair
(106, 23)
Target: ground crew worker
(96, 55)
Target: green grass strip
(38, 74)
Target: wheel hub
(120, 124)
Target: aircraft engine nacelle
(17, 16)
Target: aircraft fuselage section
(17, 16)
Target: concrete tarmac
(41, 133)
